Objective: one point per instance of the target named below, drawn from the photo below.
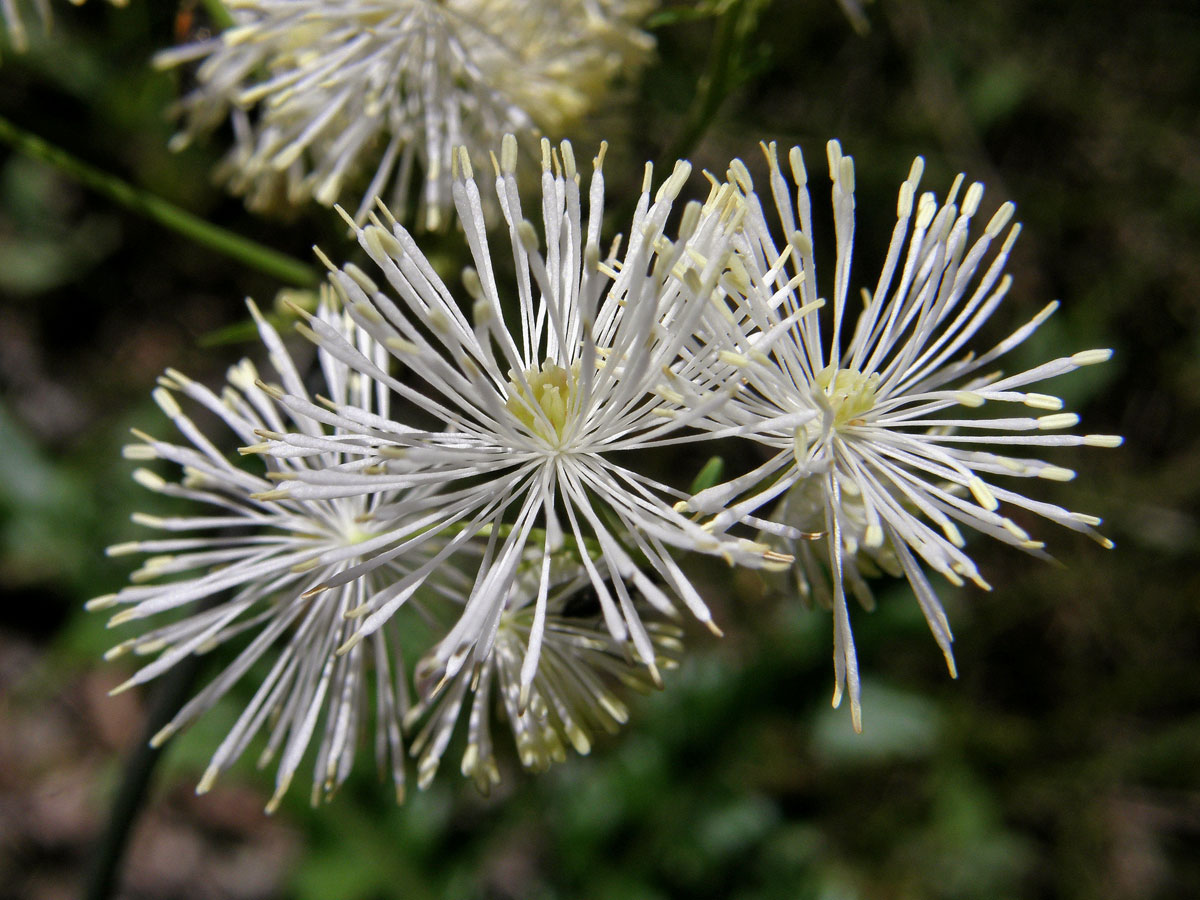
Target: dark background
(1062, 763)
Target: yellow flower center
(850, 393)
(549, 390)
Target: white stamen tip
(1091, 357)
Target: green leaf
(709, 475)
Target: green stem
(270, 262)
(724, 70)
(218, 13)
(103, 877)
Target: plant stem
(725, 69)
(266, 260)
(173, 690)
(218, 13)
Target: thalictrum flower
(236, 572)
(520, 414)
(326, 95)
(900, 450)
(574, 690)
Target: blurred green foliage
(1062, 763)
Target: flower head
(882, 442)
(573, 692)
(521, 413)
(239, 573)
(325, 92)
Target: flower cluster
(333, 99)
(471, 481)
(483, 490)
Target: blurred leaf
(896, 725)
(709, 475)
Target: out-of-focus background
(1063, 763)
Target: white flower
(11, 17)
(524, 408)
(898, 453)
(240, 570)
(325, 92)
(572, 692)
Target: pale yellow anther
(1000, 219)
(1056, 421)
(904, 203)
(739, 174)
(508, 154)
(845, 173)
(982, 494)
(1056, 473)
(126, 615)
(926, 209)
(147, 648)
(207, 780)
(953, 535)
(1091, 357)
(954, 188)
(971, 200)
(163, 735)
(464, 164)
(614, 707)
(527, 234)
(166, 402)
(873, 537)
(271, 390)
(277, 494)
(1103, 440)
(952, 576)
(970, 398)
(1043, 401)
(568, 160)
(671, 187)
(382, 242)
(400, 345)
(357, 275)
(349, 645)
(796, 163)
(104, 601)
(285, 781)
(1015, 530)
